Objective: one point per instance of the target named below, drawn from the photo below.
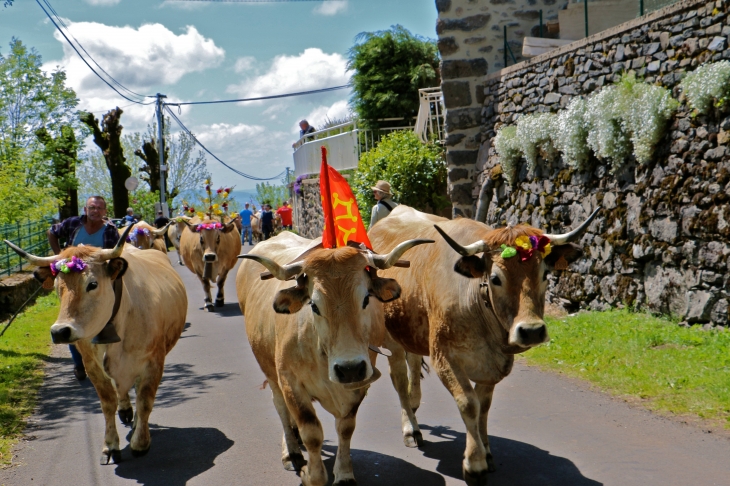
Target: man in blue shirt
(91, 229)
(246, 225)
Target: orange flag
(342, 222)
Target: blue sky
(203, 51)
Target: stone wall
(14, 290)
(471, 43)
(662, 239)
(308, 206)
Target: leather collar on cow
(109, 335)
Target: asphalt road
(213, 425)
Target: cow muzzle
(61, 334)
(350, 371)
(210, 257)
(528, 334)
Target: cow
(175, 231)
(323, 353)
(146, 237)
(258, 235)
(470, 308)
(143, 299)
(210, 250)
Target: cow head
(512, 271)
(338, 285)
(210, 231)
(83, 277)
(143, 235)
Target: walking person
(267, 221)
(91, 229)
(246, 229)
(285, 213)
(381, 193)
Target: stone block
(665, 289)
(447, 46)
(461, 193)
(463, 118)
(699, 306)
(456, 93)
(551, 98)
(461, 158)
(454, 138)
(458, 174)
(719, 313)
(653, 66)
(717, 44)
(467, 24)
(463, 68)
(443, 6)
(714, 29)
(650, 49)
(664, 229)
(527, 14)
(716, 153)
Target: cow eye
(201, 239)
(495, 279)
(315, 309)
(91, 286)
(366, 301)
(218, 238)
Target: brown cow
(210, 250)
(319, 353)
(146, 237)
(175, 231)
(471, 313)
(148, 314)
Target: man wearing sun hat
(381, 193)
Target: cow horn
(280, 272)
(562, 239)
(116, 252)
(473, 249)
(35, 260)
(161, 231)
(386, 261)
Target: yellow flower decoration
(234, 215)
(207, 181)
(523, 242)
(200, 215)
(225, 194)
(215, 206)
(218, 211)
(546, 250)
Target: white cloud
(103, 3)
(312, 69)
(244, 64)
(183, 5)
(331, 7)
(321, 114)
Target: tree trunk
(151, 156)
(108, 139)
(63, 152)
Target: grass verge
(668, 367)
(23, 349)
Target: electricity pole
(161, 150)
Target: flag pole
(327, 199)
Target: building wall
(662, 238)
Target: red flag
(342, 222)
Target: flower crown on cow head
(215, 225)
(526, 246)
(132, 237)
(68, 265)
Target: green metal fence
(31, 236)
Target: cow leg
(300, 405)
(219, 298)
(146, 392)
(206, 290)
(108, 397)
(484, 392)
(415, 365)
(412, 436)
(344, 475)
(291, 453)
(457, 382)
(124, 409)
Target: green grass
(23, 349)
(668, 367)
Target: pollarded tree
(63, 152)
(390, 66)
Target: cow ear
(470, 266)
(116, 267)
(562, 255)
(385, 289)
(291, 300)
(228, 228)
(42, 274)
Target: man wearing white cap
(381, 193)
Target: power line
(242, 174)
(50, 17)
(255, 1)
(272, 97)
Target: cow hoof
(476, 478)
(111, 456)
(490, 463)
(413, 440)
(180, 263)
(143, 452)
(209, 307)
(294, 462)
(219, 303)
(126, 415)
(346, 482)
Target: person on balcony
(381, 193)
(304, 129)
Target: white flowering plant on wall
(535, 135)
(571, 132)
(707, 86)
(508, 147)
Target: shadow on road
(176, 455)
(229, 309)
(518, 463)
(375, 469)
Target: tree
(108, 139)
(63, 152)
(416, 172)
(390, 67)
(273, 195)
